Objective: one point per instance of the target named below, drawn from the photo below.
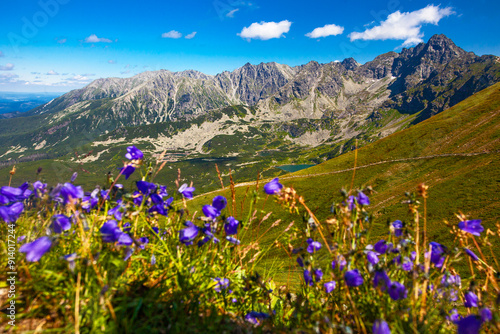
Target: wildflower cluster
(141, 252)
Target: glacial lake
(293, 168)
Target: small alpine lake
(293, 168)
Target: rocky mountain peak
(350, 64)
(441, 49)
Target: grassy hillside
(456, 153)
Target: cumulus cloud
(172, 34)
(94, 39)
(7, 67)
(88, 74)
(327, 30)
(191, 35)
(265, 30)
(404, 26)
(231, 13)
(52, 72)
(111, 61)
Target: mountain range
(321, 108)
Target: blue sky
(59, 45)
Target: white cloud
(94, 39)
(8, 78)
(52, 72)
(88, 74)
(404, 26)
(64, 40)
(7, 67)
(171, 34)
(265, 30)
(79, 78)
(111, 61)
(125, 72)
(327, 30)
(191, 35)
(1, 54)
(231, 13)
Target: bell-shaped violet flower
(10, 214)
(300, 261)
(308, 277)
(318, 274)
(406, 264)
(256, 317)
(133, 153)
(380, 247)
(471, 226)
(146, 187)
(397, 291)
(330, 286)
(127, 171)
(219, 202)
(36, 249)
(187, 235)
(449, 279)
(73, 177)
(471, 299)
(39, 188)
(233, 240)
(469, 325)
(363, 199)
(486, 314)
(110, 232)
(353, 278)
(70, 192)
(60, 223)
(471, 254)
(153, 260)
(222, 284)
(381, 280)
(397, 228)
(124, 239)
(117, 211)
(210, 211)
(231, 226)
(15, 194)
(313, 246)
(454, 316)
(186, 191)
(372, 257)
(273, 187)
(351, 202)
(381, 327)
(438, 253)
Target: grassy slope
(457, 183)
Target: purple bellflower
(36, 249)
(60, 223)
(469, 325)
(381, 327)
(353, 278)
(186, 191)
(330, 286)
(471, 226)
(133, 153)
(273, 187)
(313, 246)
(231, 226)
